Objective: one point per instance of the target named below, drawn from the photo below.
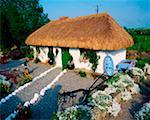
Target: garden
(107, 102)
(14, 70)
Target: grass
(141, 43)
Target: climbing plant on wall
(93, 58)
(66, 58)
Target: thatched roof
(97, 32)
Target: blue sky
(129, 13)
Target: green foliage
(141, 62)
(82, 74)
(4, 89)
(66, 58)
(141, 43)
(25, 79)
(76, 113)
(141, 39)
(54, 116)
(27, 51)
(113, 79)
(18, 19)
(139, 31)
(93, 58)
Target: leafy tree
(19, 18)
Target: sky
(128, 13)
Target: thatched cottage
(98, 32)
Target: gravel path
(72, 81)
(48, 104)
(26, 94)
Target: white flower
(72, 113)
(137, 71)
(115, 108)
(102, 100)
(110, 89)
(135, 89)
(147, 68)
(126, 95)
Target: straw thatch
(97, 32)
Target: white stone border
(3, 100)
(36, 95)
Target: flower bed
(79, 112)
(120, 88)
(4, 86)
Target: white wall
(58, 58)
(117, 56)
(43, 55)
(35, 53)
(75, 53)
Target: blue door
(108, 66)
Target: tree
(19, 18)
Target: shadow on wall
(47, 105)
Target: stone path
(27, 94)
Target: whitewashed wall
(58, 58)
(43, 55)
(35, 53)
(75, 53)
(117, 56)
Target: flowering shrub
(79, 112)
(115, 108)
(102, 100)
(124, 82)
(137, 71)
(126, 95)
(147, 68)
(143, 113)
(123, 85)
(4, 85)
(25, 79)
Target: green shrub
(25, 79)
(141, 43)
(113, 79)
(54, 116)
(66, 58)
(82, 74)
(93, 58)
(141, 62)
